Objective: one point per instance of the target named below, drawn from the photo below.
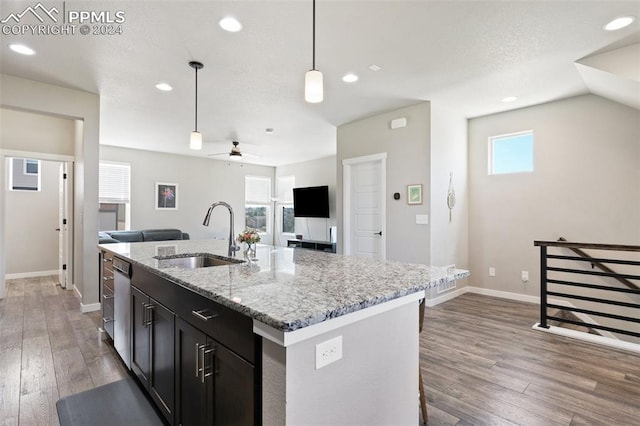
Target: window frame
(38, 175)
(115, 201)
(490, 152)
(284, 202)
(267, 203)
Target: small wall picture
(414, 194)
(166, 196)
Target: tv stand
(313, 245)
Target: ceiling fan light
(195, 142)
(313, 87)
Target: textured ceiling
(466, 56)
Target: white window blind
(114, 183)
(285, 189)
(257, 190)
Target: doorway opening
(38, 205)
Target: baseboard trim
(34, 274)
(91, 307)
(445, 297)
(591, 338)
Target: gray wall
(200, 183)
(449, 232)
(27, 131)
(314, 173)
(585, 187)
(408, 162)
(84, 109)
(32, 219)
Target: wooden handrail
(562, 242)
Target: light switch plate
(422, 219)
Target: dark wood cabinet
(214, 386)
(152, 349)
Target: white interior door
(64, 225)
(365, 206)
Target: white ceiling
(465, 55)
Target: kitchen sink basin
(191, 261)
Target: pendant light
(195, 142)
(313, 90)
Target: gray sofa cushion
(168, 234)
(161, 234)
(126, 236)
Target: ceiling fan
(235, 152)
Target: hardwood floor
(48, 350)
(481, 362)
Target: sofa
(105, 237)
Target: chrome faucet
(233, 248)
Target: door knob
(378, 233)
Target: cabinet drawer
(225, 325)
(107, 314)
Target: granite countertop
(288, 288)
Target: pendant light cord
(196, 129)
(314, 36)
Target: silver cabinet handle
(149, 314)
(204, 315)
(107, 320)
(107, 259)
(108, 296)
(107, 278)
(197, 360)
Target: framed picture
(414, 194)
(166, 196)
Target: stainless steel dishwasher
(122, 309)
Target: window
(257, 196)
(285, 186)
(512, 153)
(114, 196)
(24, 174)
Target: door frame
(4, 179)
(347, 190)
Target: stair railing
(550, 274)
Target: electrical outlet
(328, 352)
(492, 271)
(524, 276)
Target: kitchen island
(335, 337)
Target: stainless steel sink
(191, 261)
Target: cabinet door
(161, 375)
(140, 349)
(234, 388)
(193, 407)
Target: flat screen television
(311, 201)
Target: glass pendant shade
(195, 142)
(313, 90)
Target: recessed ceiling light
(269, 130)
(509, 99)
(350, 78)
(231, 24)
(618, 23)
(164, 87)
(22, 49)
(374, 67)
